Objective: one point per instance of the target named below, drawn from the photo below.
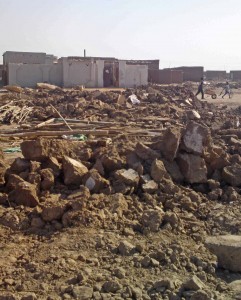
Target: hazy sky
(178, 32)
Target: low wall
(28, 75)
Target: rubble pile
(125, 218)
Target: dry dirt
(120, 240)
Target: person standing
(200, 88)
(227, 90)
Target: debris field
(114, 198)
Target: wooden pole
(61, 117)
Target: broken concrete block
(24, 194)
(53, 212)
(173, 170)
(73, 171)
(170, 144)
(125, 248)
(145, 153)
(227, 248)
(232, 174)
(194, 284)
(19, 165)
(41, 149)
(195, 138)
(158, 171)
(129, 177)
(150, 187)
(94, 182)
(53, 164)
(47, 179)
(152, 219)
(192, 167)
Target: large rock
(95, 182)
(73, 171)
(174, 171)
(195, 138)
(41, 149)
(227, 248)
(150, 187)
(152, 219)
(19, 165)
(192, 167)
(232, 174)
(24, 194)
(53, 211)
(53, 164)
(145, 153)
(47, 177)
(129, 177)
(158, 171)
(194, 284)
(170, 143)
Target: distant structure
(216, 75)
(235, 75)
(28, 68)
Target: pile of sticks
(10, 113)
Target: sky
(178, 32)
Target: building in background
(26, 69)
(235, 75)
(165, 76)
(216, 75)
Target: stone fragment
(95, 182)
(194, 284)
(42, 148)
(152, 219)
(200, 295)
(24, 194)
(174, 171)
(111, 162)
(158, 171)
(118, 204)
(170, 143)
(54, 211)
(73, 171)
(150, 187)
(227, 248)
(232, 174)
(193, 115)
(82, 292)
(13, 182)
(195, 138)
(111, 287)
(47, 177)
(125, 248)
(145, 153)
(37, 222)
(19, 165)
(53, 164)
(166, 283)
(129, 177)
(193, 168)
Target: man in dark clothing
(200, 88)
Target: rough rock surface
(227, 248)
